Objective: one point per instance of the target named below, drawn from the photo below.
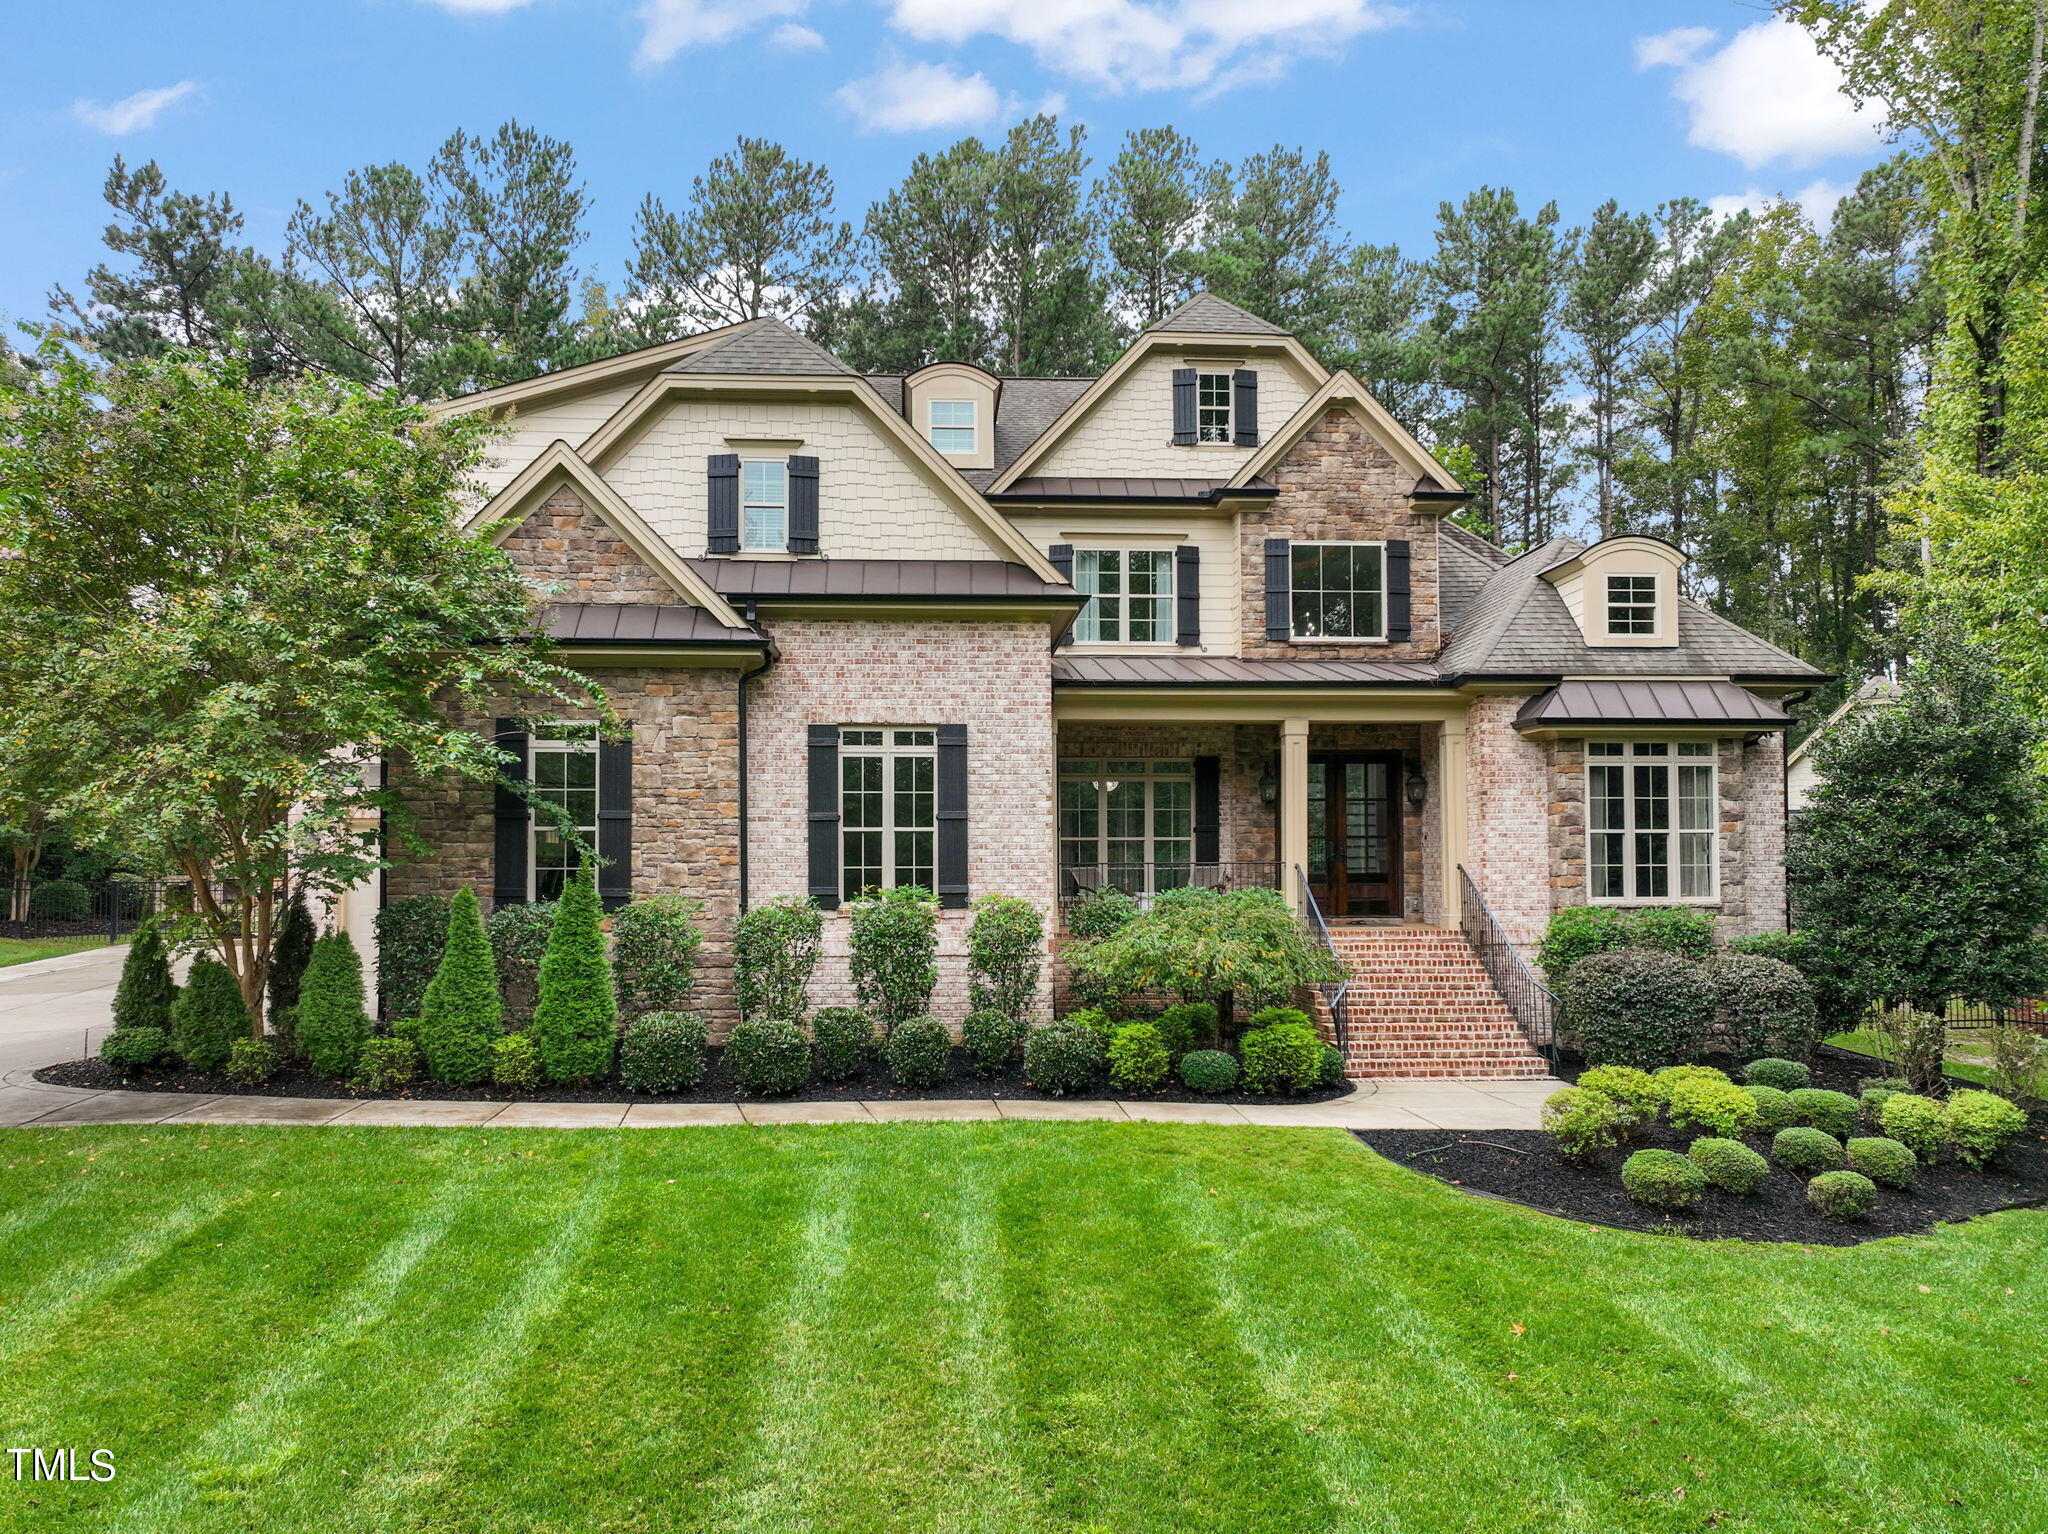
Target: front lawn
(991, 1327)
(16, 950)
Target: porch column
(1451, 794)
(1293, 806)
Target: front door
(1354, 833)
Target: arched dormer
(952, 405)
(1623, 592)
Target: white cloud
(1816, 200)
(673, 25)
(905, 98)
(1767, 95)
(792, 38)
(131, 112)
(480, 7)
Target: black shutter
(803, 505)
(1279, 590)
(952, 816)
(1187, 594)
(1244, 407)
(1061, 556)
(1183, 407)
(1398, 624)
(615, 822)
(1208, 808)
(511, 816)
(722, 502)
(824, 778)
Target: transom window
(562, 769)
(953, 425)
(1340, 590)
(888, 808)
(1632, 604)
(1212, 407)
(1651, 814)
(764, 504)
(1131, 596)
(1127, 824)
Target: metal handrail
(1333, 993)
(1533, 1003)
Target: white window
(764, 504)
(561, 766)
(953, 425)
(1212, 407)
(1131, 596)
(1340, 590)
(888, 808)
(1632, 604)
(1651, 814)
(1127, 825)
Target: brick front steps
(1421, 1004)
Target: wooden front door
(1354, 833)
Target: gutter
(768, 658)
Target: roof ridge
(1211, 312)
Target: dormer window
(1631, 605)
(764, 503)
(952, 425)
(1212, 407)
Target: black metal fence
(59, 908)
(1529, 999)
(1078, 881)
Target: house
(1802, 774)
(1202, 619)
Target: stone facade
(574, 552)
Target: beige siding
(1216, 537)
(1131, 432)
(569, 419)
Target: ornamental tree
(221, 601)
(1246, 946)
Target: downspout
(767, 660)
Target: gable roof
(763, 346)
(1342, 389)
(584, 375)
(1205, 313)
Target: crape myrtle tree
(221, 600)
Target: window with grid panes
(1340, 590)
(562, 768)
(1130, 820)
(1212, 407)
(1130, 596)
(1632, 604)
(888, 820)
(1651, 818)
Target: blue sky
(1416, 103)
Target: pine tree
(1150, 205)
(461, 1017)
(576, 1022)
(208, 1018)
(146, 993)
(1049, 314)
(1603, 314)
(289, 955)
(332, 1021)
(1272, 244)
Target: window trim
(1626, 759)
(973, 427)
(1293, 635)
(1065, 772)
(1655, 605)
(542, 739)
(1167, 621)
(1228, 407)
(888, 750)
(781, 544)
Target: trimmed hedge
(1842, 1195)
(1835, 1112)
(1783, 1075)
(662, 1052)
(1761, 1006)
(1774, 1110)
(208, 1015)
(1576, 933)
(919, 1051)
(1062, 1059)
(1720, 1106)
(1208, 1070)
(461, 1018)
(1807, 1151)
(1916, 1122)
(1663, 1179)
(519, 939)
(1882, 1160)
(893, 945)
(654, 953)
(134, 1048)
(768, 1056)
(843, 1038)
(774, 950)
(1635, 1006)
(410, 933)
(1730, 1165)
(575, 1024)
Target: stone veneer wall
(570, 547)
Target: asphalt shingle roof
(763, 346)
(1208, 313)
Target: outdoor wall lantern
(1269, 786)
(1417, 789)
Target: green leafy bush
(405, 1028)
(1981, 1124)
(1774, 1110)
(893, 936)
(1836, 1112)
(654, 953)
(385, 1065)
(410, 933)
(1281, 1058)
(135, 1048)
(1842, 1195)
(1663, 1179)
(843, 1038)
(991, 1040)
(60, 900)
(1062, 1059)
(1916, 1122)
(1638, 1097)
(1183, 1023)
(1582, 1123)
(1884, 1161)
(1096, 1022)
(290, 952)
(519, 939)
(774, 950)
(1204, 944)
(1806, 1150)
(1577, 933)
(920, 1052)
(1208, 1070)
(461, 1018)
(1785, 1075)
(1098, 915)
(1005, 955)
(662, 1052)
(208, 1015)
(284, 1035)
(1280, 1017)
(768, 1056)
(1633, 1006)
(1333, 1066)
(1685, 932)
(1730, 1165)
(251, 1062)
(143, 998)
(515, 1062)
(1873, 1100)
(1785, 947)
(575, 1023)
(1138, 1058)
(1720, 1107)
(1671, 1075)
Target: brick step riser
(1422, 1005)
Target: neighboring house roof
(641, 623)
(1632, 702)
(881, 580)
(1059, 488)
(1207, 312)
(1879, 689)
(763, 346)
(1227, 671)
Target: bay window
(1651, 815)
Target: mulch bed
(1519, 1164)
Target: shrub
(405, 1028)
(1281, 1057)
(1719, 1106)
(1806, 1150)
(291, 951)
(144, 996)
(893, 936)
(654, 953)
(410, 933)
(1062, 1059)
(1577, 933)
(991, 1039)
(1203, 944)
(1836, 1112)
(1581, 1123)
(1683, 931)
(1916, 1122)
(1100, 914)
(519, 937)
(208, 1015)
(60, 900)
(1280, 1017)
(1785, 1075)
(1637, 1095)
(1881, 1160)
(843, 1037)
(1671, 1075)
(1918, 1041)
(1005, 954)
(251, 1062)
(1208, 1070)
(1842, 1195)
(135, 1048)
(919, 1051)
(1333, 1066)
(768, 1056)
(1183, 1023)
(284, 1033)
(662, 1052)
(385, 1065)
(1663, 1179)
(774, 950)
(1635, 1007)
(1785, 947)
(1138, 1058)
(1730, 1165)
(332, 1022)
(575, 1022)
(1774, 1110)
(461, 1018)
(1873, 1100)
(515, 1062)
(1096, 1022)
(1981, 1124)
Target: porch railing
(1078, 881)
(1532, 1002)
(1333, 993)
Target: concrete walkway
(58, 1009)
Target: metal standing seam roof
(1629, 702)
(882, 580)
(1228, 671)
(1063, 488)
(640, 623)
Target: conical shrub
(332, 1022)
(576, 1021)
(290, 952)
(208, 1016)
(461, 1017)
(144, 996)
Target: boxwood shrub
(920, 1052)
(662, 1052)
(1842, 1195)
(1836, 1112)
(251, 1062)
(768, 1056)
(1785, 1075)
(1882, 1160)
(1633, 1006)
(990, 1039)
(1806, 1151)
(515, 1062)
(844, 1038)
(1981, 1124)
(1138, 1058)
(1638, 1097)
(1333, 1066)
(1720, 1107)
(1096, 1022)
(1062, 1059)
(1774, 1110)
(1185, 1022)
(1581, 1123)
(135, 1048)
(386, 1065)
(1663, 1179)
(1281, 1057)
(1916, 1122)
(1208, 1070)
(1730, 1165)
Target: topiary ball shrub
(1761, 1007)
(1208, 1070)
(1882, 1160)
(662, 1052)
(251, 1062)
(1836, 1112)
(1785, 1075)
(1774, 1110)
(515, 1063)
(135, 1048)
(1720, 1107)
(1842, 1195)
(768, 1057)
(208, 1015)
(1916, 1122)
(386, 1065)
(1806, 1151)
(1333, 1066)
(1638, 1097)
(1062, 1059)
(1730, 1165)
(1282, 1058)
(1581, 1123)
(1138, 1058)
(919, 1052)
(990, 1039)
(843, 1039)
(1662, 1179)
(1185, 1022)
(1633, 1006)
(1981, 1124)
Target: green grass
(16, 950)
(1867, 1041)
(1000, 1328)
